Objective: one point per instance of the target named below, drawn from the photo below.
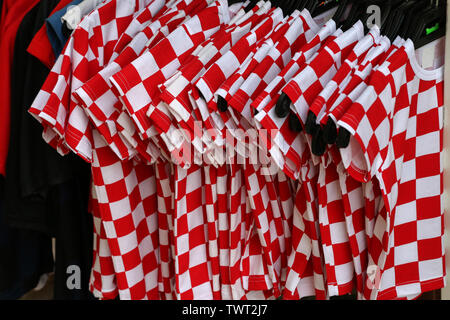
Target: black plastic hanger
(283, 106)
(251, 5)
(411, 16)
(356, 11)
(431, 26)
(342, 6)
(324, 6)
(294, 123)
(230, 2)
(318, 145)
(290, 7)
(398, 18)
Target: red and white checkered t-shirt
(353, 201)
(306, 240)
(231, 85)
(310, 81)
(232, 122)
(215, 194)
(212, 120)
(397, 128)
(271, 66)
(86, 53)
(83, 56)
(175, 92)
(102, 280)
(164, 174)
(361, 76)
(343, 75)
(358, 198)
(137, 83)
(100, 103)
(300, 276)
(333, 232)
(253, 257)
(265, 215)
(353, 192)
(335, 241)
(303, 88)
(277, 137)
(232, 60)
(96, 95)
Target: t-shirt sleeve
(53, 104)
(369, 121)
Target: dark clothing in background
(45, 194)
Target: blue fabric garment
(54, 29)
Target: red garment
(40, 46)
(11, 22)
(7, 4)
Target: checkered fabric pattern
(66, 125)
(306, 242)
(231, 61)
(89, 47)
(212, 211)
(356, 203)
(333, 229)
(333, 232)
(140, 21)
(352, 190)
(306, 85)
(102, 282)
(355, 199)
(405, 157)
(279, 139)
(314, 42)
(128, 204)
(231, 85)
(228, 64)
(232, 232)
(176, 90)
(300, 275)
(266, 213)
(137, 82)
(192, 269)
(286, 194)
(235, 123)
(343, 75)
(360, 78)
(272, 64)
(164, 176)
(96, 95)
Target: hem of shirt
(427, 285)
(358, 174)
(238, 101)
(335, 289)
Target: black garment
(26, 254)
(45, 192)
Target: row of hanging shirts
(172, 101)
